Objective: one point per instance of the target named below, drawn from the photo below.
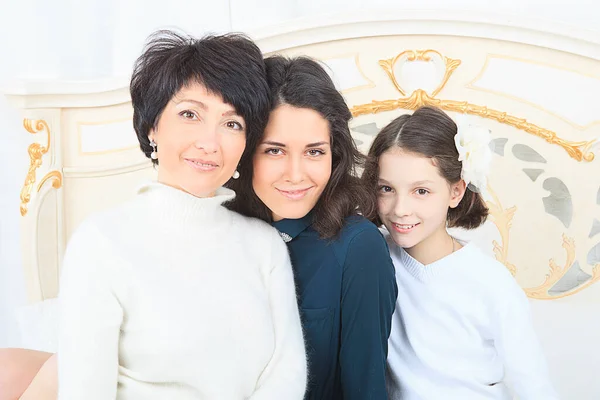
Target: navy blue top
(347, 291)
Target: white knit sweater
(170, 296)
(462, 331)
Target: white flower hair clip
(473, 145)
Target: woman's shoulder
(255, 232)
(114, 225)
(259, 242)
(93, 246)
(111, 218)
(357, 225)
(250, 224)
(360, 236)
(99, 223)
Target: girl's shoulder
(486, 270)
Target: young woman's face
(199, 141)
(292, 164)
(413, 198)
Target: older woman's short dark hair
(229, 65)
(302, 82)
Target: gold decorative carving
(580, 151)
(502, 218)
(556, 273)
(56, 177)
(35, 151)
(419, 55)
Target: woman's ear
(457, 192)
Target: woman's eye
(274, 152)
(235, 125)
(422, 192)
(315, 152)
(188, 114)
(385, 189)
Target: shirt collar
(289, 229)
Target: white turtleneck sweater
(170, 296)
(462, 330)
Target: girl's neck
(435, 247)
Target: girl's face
(413, 198)
(199, 141)
(292, 164)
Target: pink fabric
(18, 368)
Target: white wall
(84, 40)
(13, 164)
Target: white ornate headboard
(84, 157)
(535, 87)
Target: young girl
(301, 178)
(462, 326)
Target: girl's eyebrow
(417, 183)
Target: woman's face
(292, 164)
(199, 141)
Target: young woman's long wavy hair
(302, 82)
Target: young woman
(171, 295)
(302, 179)
(462, 327)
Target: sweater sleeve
(285, 375)
(369, 293)
(90, 320)
(517, 344)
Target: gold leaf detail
(56, 178)
(580, 151)
(35, 151)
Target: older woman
(171, 295)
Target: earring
(236, 174)
(153, 155)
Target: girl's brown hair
(429, 132)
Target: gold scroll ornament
(36, 151)
(580, 151)
(502, 218)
